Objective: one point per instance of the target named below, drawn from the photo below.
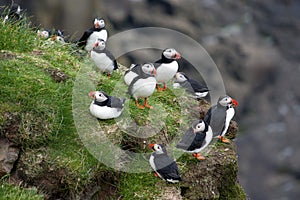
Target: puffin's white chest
(102, 61)
(152, 164)
(176, 85)
(166, 71)
(144, 87)
(229, 115)
(128, 77)
(104, 112)
(93, 37)
(151, 161)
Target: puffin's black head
(99, 44)
(58, 33)
(148, 68)
(227, 101)
(171, 54)
(99, 96)
(158, 148)
(99, 22)
(199, 126)
(180, 77)
(15, 9)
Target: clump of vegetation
(8, 191)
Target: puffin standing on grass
(90, 36)
(143, 86)
(197, 89)
(196, 138)
(220, 115)
(104, 106)
(136, 70)
(166, 67)
(164, 166)
(102, 58)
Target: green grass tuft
(18, 36)
(11, 192)
(138, 186)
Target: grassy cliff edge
(36, 80)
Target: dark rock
(215, 177)
(57, 75)
(9, 154)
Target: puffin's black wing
(116, 102)
(197, 86)
(197, 142)
(167, 167)
(157, 63)
(215, 117)
(187, 86)
(82, 41)
(136, 69)
(112, 57)
(186, 140)
(130, 87)
(207, 116)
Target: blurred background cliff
(255, 45)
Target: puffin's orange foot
(198, 156)
(108, 75)
(223, 139)
(161, 89)
(139, 105)
(147, 105)
(155, 174)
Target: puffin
(104, 106)
(220, 115)
(166, 67)
(103, 58)
(14, 13)
(137, 69)
(143, 86)
(163, 165)
(196, 138)
(197, 89)
(52, 36)
(45, 34)
(90, 36)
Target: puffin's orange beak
(92, 94)
(154, 72)
(97, 25)
(151, 146)
(96, 44)
(234, 102)
(177, 56)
